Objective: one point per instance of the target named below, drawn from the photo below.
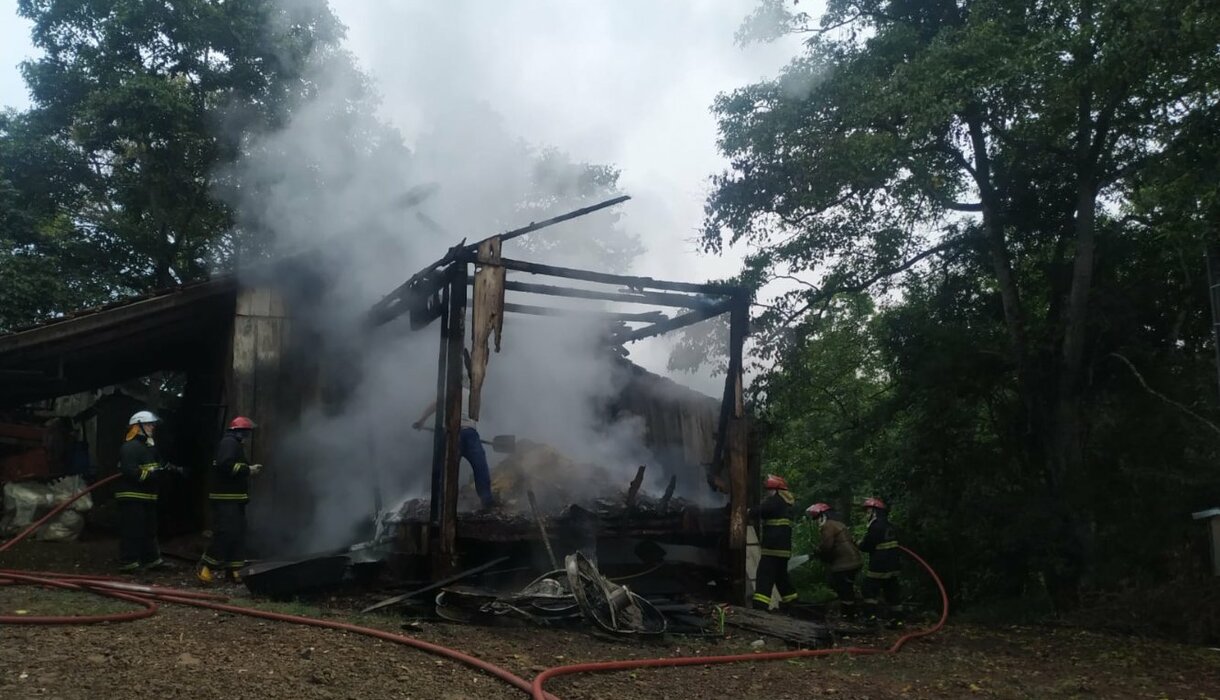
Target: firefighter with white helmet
(140, 466)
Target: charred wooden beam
(435, 585)
(634, 489)
(642, 317)
(663, 505)
(736, 447)
(629, 281)
(577, 213)
(684, 301)
(673, 324)
(453, 419)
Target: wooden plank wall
(256, 385)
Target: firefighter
(230, 491)
(776, 513)
(881, 544)
(140, 466)
(839, 552)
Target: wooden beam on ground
(435, 585)
(630, 281)
(674, 323)
(683, 301)
(642, 317)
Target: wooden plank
(640, 317)
(574, 214)
(436, 584)
(453, 420)
(438, 424)
(629, 281)
(673, 324)
(487, 316)
(737, 449)
(648, 298)
(268, 356)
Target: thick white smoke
(380, 193)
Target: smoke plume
(374, 190)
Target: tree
(155, 99)
(1007, 135)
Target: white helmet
(143, 417)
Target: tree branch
(828, 294)
(1166, 399)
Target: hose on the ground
(147, 597)
(603, 666)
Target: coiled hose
(148, 597)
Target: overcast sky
(627, 82)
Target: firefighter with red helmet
(881, 544)
(775, 510)
(838, 551)
(229, 492)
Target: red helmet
(775, 482)
(874, 503)
(817, 510)
(241, 423)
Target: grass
(28, 600)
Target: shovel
(501, 444)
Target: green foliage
(1024, 190)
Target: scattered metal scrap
(578, 590)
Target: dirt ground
(198, 654)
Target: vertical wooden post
(453, 419)
(438, 423)
(736, 449)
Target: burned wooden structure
(477, 278)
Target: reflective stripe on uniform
(778, 522)
(789, 598)
(210, 561)
(146, 469)
(888, 545)
(136, 495)
(237, 467)
(776, 552)
(229, 496)
(762, 598)
(882, 574)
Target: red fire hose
(147, 597)
(602, 666)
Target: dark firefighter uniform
(230, 491)
(881, 544)
(139, 465)
(776, 546)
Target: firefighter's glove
(255, 469)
